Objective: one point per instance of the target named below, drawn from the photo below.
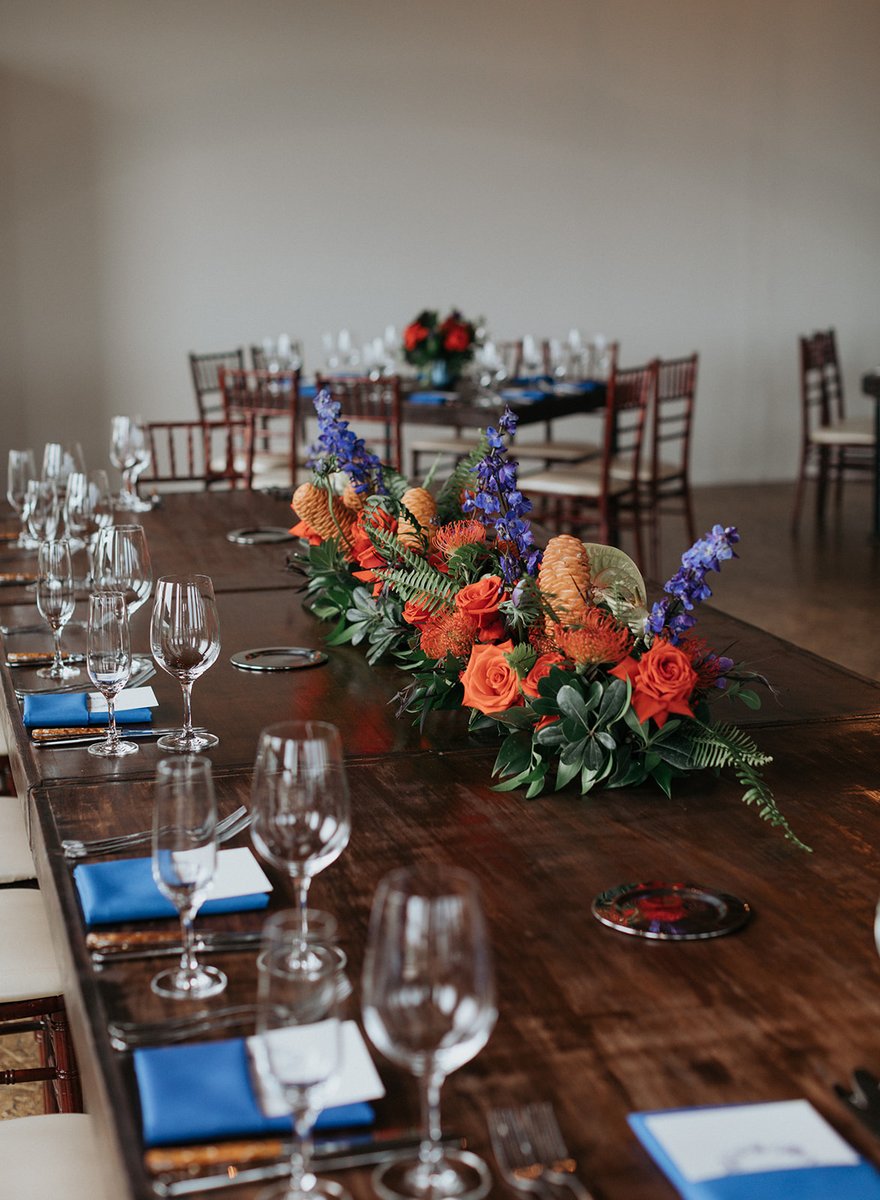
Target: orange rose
(480, 600)
(491, 685)
(368, 557)
(663, 681)
(416, 614)
(543, 666)
(413, 335)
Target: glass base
(131, 503)
(459, 1175)
(64, 673)
(320, 1189)
(177, 984)
(117, 749)
(194, 744)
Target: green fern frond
(412, 577)
(449, 500)
(726, 745)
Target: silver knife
(339, 1156)
(220, 943)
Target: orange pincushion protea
(600, 640)
(448, 633)
(452, 537)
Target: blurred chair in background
(370, 401)
(271, 400)
(212, 453)
(835, 442)
(205, 370)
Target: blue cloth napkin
(308, 391)
(858, 1182)
(428, 397)
(521, 394)
(203, 1091)
(531, 380)
(57, 710)
(123, 889)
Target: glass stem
(429, 1151)
(300, 1151)
(128, 483)
(188, 961)
(112, 731)
(302, 903)
(186, 687)
(58, 662)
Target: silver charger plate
(670, 911)
(278, 658)
(259, 535)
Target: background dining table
(600, 1023)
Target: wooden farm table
(600, 1023)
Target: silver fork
(531, 1152)
(228, 828)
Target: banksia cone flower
(564, 578)
(312, 505)
(423, 507)
(353, 499)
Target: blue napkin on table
(203, 1091)
(531, 380)
(123, 889)
(57, 710)
(307, 391)
(856, 1180)
(523, 394)
(428, 397)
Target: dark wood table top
(602, 1024)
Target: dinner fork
(531, 1152)
(228, 828)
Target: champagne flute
(299, 1031)
(21, 468)
(108, 661)
(184, 862)
(56, 601)
(429, 1006)
(302, 819)
(185, 640)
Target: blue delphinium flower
(498, 503)
(688, 586)
(339, 449)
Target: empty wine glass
(429, 1006)
(130, 454)
(88, 508)
(302, 820)
(59, 463)
(42, 510)
(185, 640)
(184, 862)
(108, 661)
(21, 468)
(56, 601)
(299, 1028)
(122, 562)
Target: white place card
(238, 874)
(744, 1139)
(139, 697)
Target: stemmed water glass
(130, 454)
(60, 462)
(108, 661)
(429, 1006)
(88, 508)
(185, 640)
(302, 819)
(184, 862)
(299, 1028)
(41, 510)
(56, 601)
(21, 469)
(121, 561)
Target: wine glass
(122, 562)
(130, 454)
(88, 508)
(60, 461)
(108, 661)
(56, 601)
(21, 468)
(185, 640)
(299, 1031)
(429, 1006)
(184, 862)
(302, 820)
(42, 510)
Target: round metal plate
(259, 535)
(670, 911)
(278, 658)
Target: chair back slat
(212, 453)
(821, 381)
(271, 399)
(205, 370)
(673, 418)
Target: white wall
(195, 174)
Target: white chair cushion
(557, 451)
(56, 1155)
(16, 862)
(854, 431)
(28, 969)
(450, 445)
(586, 482)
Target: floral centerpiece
(555, 650)
(440, 348)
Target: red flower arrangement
(428, 341)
